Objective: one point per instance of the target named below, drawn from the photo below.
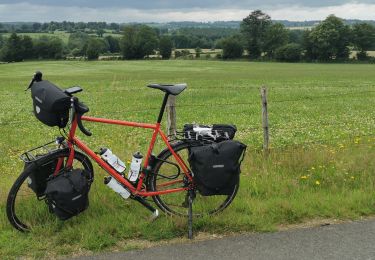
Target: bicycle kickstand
(191, 197)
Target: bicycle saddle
(172, 89)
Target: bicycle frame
(135, 190)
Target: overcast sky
(175, 10)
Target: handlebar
(81, 127)
(80, 109)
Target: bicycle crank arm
(155, 212)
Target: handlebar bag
(67, 193)
(216, 167)
(218, 132)
(51, 104)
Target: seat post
(161, 113)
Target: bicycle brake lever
(37, 77)
(31, 83)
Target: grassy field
(320, 166)
(64, 36)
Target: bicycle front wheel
(27, 211)
(165, 176)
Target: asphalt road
(354, 240)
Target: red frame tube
(73, 140)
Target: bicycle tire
(203, 205)
(14, 215)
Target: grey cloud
(175, 4)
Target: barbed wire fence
(264, 125)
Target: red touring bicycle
(166, 178)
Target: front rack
(36, 153)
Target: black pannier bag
(216, 167)
(37, 180)
(216, 132)
(51, 104)
(67, 193)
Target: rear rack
(206, 133)
(36, 153)
(194, 137)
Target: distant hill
(236, 24)
(22, 26)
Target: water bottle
(135, 166)
(117, 187)
(112, 160)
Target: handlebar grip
(81, 127)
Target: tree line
(188, 36)
(71, 27)
(23, 47)
(330, 40)
(258, 38)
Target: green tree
(307, 45)
(2, 41)
(198, 52)
(78, 40)
(138, 42)
(290, 52)
(128, 43)
(330, 39)
(12, 49)
(296, 36)
(275, 36)
(254, 28)
(27, 47)
(181, 41)
(114, 26)
(165, 47)
(232, 48)
(100, 33)
(36, 27)
(48, 48)
(113, 44)
(94, 48)
(147, 40)
(363, 38)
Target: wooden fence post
(266, 137)
(171, 115)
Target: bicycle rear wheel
(165, 177)
(25, 210)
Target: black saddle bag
(216, 167)
(67, 194)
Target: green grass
(322, 138)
